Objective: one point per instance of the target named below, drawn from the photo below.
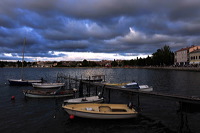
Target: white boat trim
(47, 96)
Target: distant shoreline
(197, 69)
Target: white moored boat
(132, 85)
(92, 99)
(47, 85)
(100, 111)
(22, 81)
(48, 93)
(135, 86)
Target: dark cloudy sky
(96, 29)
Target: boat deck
(103, 108)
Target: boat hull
(145, 88)
(45, 94)
(100, 116)
(47, 85)
(97, 114)
(20, 82)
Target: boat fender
(71, 116)
(13, 98)
(130, 105)
(61, 92)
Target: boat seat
(105, 109)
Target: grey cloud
(186, 10)
(97, 26)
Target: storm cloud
(128, 27)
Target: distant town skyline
(73, 30)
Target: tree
(92, 64)
(85, 63)
(2, 64)
(125, 63)
(148, 61)
(133, 62)
(114, 63)
(163, 56)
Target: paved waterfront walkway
(175, 68)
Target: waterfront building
(182, 56)
(194, 57)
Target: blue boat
(21, 82)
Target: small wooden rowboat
(100, 111)
(92, 99)
(48, 93)
(47, 85)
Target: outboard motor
(130, 105)
(100, 95)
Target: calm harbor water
(46, 115)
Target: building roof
(183, 49)
(196, 51)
